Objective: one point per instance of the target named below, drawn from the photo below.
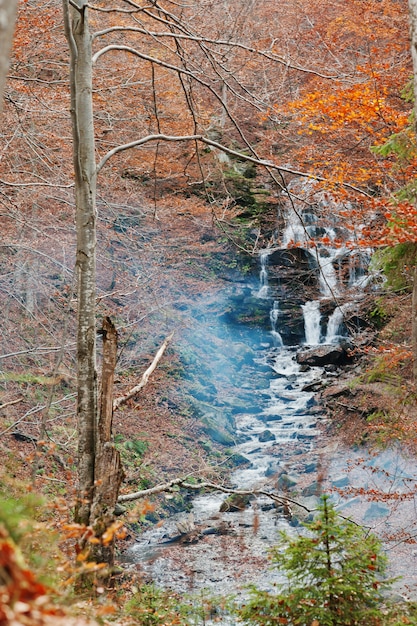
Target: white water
(341, 270)
(263, 275)
(335, 324)
(328, 277)
(273, 316)
(312, 322)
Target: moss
(397, 264)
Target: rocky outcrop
(319, 356)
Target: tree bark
(7, 22)
(79, 39)
(412, 6)
(108, 466)
(414, 324)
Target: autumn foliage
(24, 601)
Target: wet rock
(375, 511)
(323, 355)
(331, 369)
(310, 403)
(234, 503)
(310, 468)
(286, 482)
(271, 418)
(235, 460)
(304, 436)
(267, 506)
(312, 490)
(216, 433)
(266, 435)
(271, 470)
(241, 406)
(314, 385)
(335, 391)
(340, 481)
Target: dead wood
(3, 406)
(145, 377)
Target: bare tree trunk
(412, 5)
(414, 325)
(7, 21)
(79, 39)
(100, 470)
(108, 466)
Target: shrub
(334, 577)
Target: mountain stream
(282, 437)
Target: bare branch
(218, 42)
(40, 350)
(45, 184)
(282, 500)
(34, 410)
(3, 406)
(145, 377)
(218, 146)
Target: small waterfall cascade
(335, 324)
(358, 265)
(295, 232)
(263, 274)
(273, 316)
(263, 292)
(326, 243)
(312, 322)
(329, 283)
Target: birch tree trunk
(412, 5)
(7, 21)
(79, 39)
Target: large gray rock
(266, 435)
(323, 355)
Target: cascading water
(340, 268)
(335, 324)
(273, 316)
(263, 275)
(312, 322)
(276, 431)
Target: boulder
(314, 489)
(340, 481)
(286, 482)
(323, 355)
(266, 435)
(375, 511)
(235, 502)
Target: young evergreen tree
(334, 577)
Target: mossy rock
(219, 435)
(234, 503)
(235, 460)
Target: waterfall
(335, 323)
(312, 318)
(273, 316)
(263, 292)
(311, 223)
(263, 275)
(358, 264)
(294, 231)
(328, 277)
